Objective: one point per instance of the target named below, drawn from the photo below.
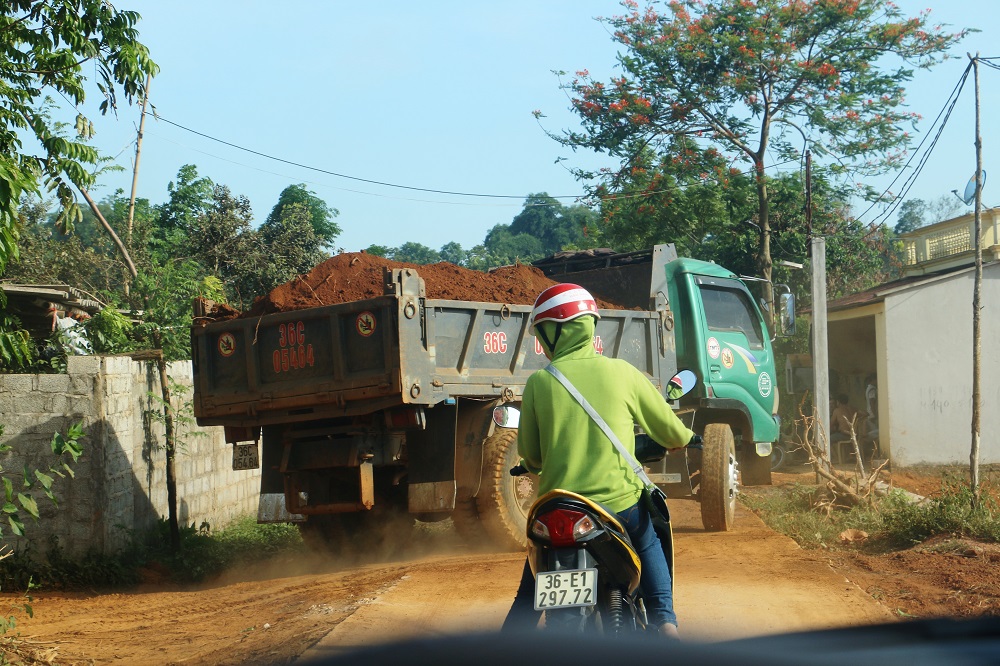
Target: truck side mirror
(787, 314)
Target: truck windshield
(731, 310)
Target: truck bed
(402, 348)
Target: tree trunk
(977, 306)
(114, 237)
(764, 249)
(170, 449)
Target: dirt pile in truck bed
(357, 276)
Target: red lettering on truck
(293, 352)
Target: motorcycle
(585, 566)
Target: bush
(202, 554)
(951, 513)
(893, 522)
(789, 510)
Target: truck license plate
(565, 589)
(245, 456)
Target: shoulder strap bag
(653, 498)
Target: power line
(954, 94)
(332, 187)
(354, 178)
(420, 189)
(908, 184)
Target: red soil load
(357, 276)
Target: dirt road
(743, 583)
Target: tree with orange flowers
(757, 78)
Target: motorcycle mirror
(506, 416)
(686, 380)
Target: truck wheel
(755, 471)
(504, 500)
(718, 478)
(779, 457)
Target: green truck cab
(721, 336)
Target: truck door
(738, 349)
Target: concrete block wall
(119, 487)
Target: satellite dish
(970, 189)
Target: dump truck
(407, 404)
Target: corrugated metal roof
(38, 305)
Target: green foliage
(9, 622)
(556, 226)
(708, 90)
(949, 513)
(167, 293)
(789, 511)
(669, 199)
(915, 213)
(183, 414)
(203, 554)
(18, 500)
(415, 253)
(911, 216)
(379, 250)
(454, 254)
(55, 46)
(728, 71)
(188, 197)
(290, 246)
(321, 216)
(109, 331)
(893, 522)
(544, 226)
(17, 353)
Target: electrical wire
(354, 178)
(419, 189)
(333, 187)
(954, 94)
(908, 184)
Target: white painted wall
(928, 371)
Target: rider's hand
(518, 470)
(695, 443)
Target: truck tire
(718, 478)
(504, 500)
(754, 470)
(779, 457)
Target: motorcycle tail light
(562, 527)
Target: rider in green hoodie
(561, 443)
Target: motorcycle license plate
(565, 589)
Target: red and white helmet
(563, 302)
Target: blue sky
(434, 95)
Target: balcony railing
(950, 238)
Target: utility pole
(809, 196)
(135, 169)
(820, 350)
(977, 301)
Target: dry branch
(843, 489)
